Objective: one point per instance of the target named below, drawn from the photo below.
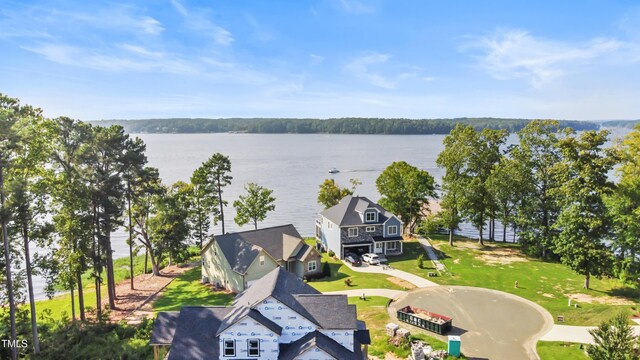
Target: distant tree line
(629, 124)
(328, 126)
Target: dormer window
(370, 216)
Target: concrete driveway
(492, 324)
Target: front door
(378, 249)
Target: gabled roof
(281, 285)
(330, 311)
(240, 313)
(164, 326)
(195, 334)
(241, 248)
(322, 342)
(347, 211)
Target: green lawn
(340, 272)
(545, 283)
(186, 290)
(373, 311)
(555, 350)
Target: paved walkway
(575, 334)
(426, 245)
(378, 269)
(388, 293)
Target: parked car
(353, 259)
(371, 259)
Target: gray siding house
(359, 225)
(235, 260)
(280, 318)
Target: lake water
(293, 165)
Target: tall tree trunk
(154, 264)
(7, 259)
(130, 234)
(79, 280)
(255, 224)
(490, 229)
(586, 280)
(73, 303)
(451, 237)
(32, 302)
(221, 205)
(515, 227)
(146, 260)
(111, 286)
(81, 297)
(504, 232)
(95, 249)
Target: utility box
(454, 346)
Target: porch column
(400, 246)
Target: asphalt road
(492, 324)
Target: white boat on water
(334, 171)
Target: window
(329, 225)
(371, 228)
(392, 230)
(253, 347)
(229, 348)
(312, 266)
(392, 245)
(261, 260)
(370, 216)
(353, 232)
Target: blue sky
(325, 58)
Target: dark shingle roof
(164, 326)
(241, 248)
(362, 335)
(323, 342)
(329, 311)
(346, 213)
(195, 335)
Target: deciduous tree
(405, 191)
(255, 205)
(584, 220)
(331, 193)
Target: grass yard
(498, 266)
(186, 290)
(555, 350)
(340, 272)
(374, 312)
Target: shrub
(348, 282)
(326, 269)
(420, 261)
(331, 253)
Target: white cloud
(361, 67)
(510, 54)
(316, 59)
(110, 60)
(199, 22)
(139, 50)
